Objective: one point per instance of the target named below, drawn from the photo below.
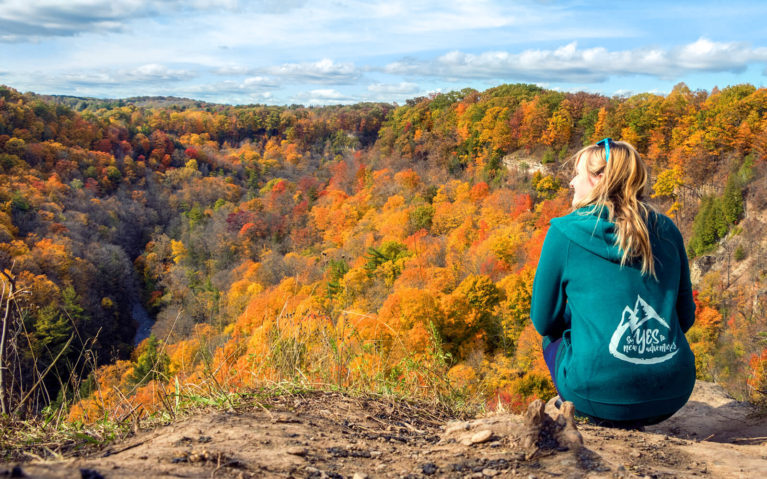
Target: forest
(377, 247)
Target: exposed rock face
(701, 266)
(524, 163)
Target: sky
(318, 52)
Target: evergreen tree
(732, 200)
(709, 225)
(336, 271)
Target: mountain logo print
(642, 337)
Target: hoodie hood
(589, 228)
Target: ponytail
(621, 191)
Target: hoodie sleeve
(547, 306)
(685, 305)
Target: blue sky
(346, 51)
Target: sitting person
(612, 296)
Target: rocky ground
(325, 434)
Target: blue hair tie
(606, 143)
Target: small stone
(481, 436)
(311, 470)
(428, 468)
(375, 454)
(635, 454)
(489, 472)
(297, 451)
(456, 426)
(360, 475)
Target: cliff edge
(332, 435)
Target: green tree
(386, 261)
(732, 200)
(336, 271)
(71, 305)
(709, 226)
(546, 186)
(52, 330)
(421, 217)
(151, 364)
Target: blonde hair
(621, 190)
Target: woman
(612, 296)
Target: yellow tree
(666, 185)
(559, 129)
(534, 121)
(600, 127)
(409, 313)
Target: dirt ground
(330, 435)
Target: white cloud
(259, 82)
(327, 93)
(323, 96)
(250, 84)
(234, 98)
(424, 17)
(571, 64)
(149, 73)
(23, 20)
(156, 72)
(233, 70)
(623, 92)
(394, 88)
(324, 71)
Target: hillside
(94, 104)
(316, 434)
(368, 247)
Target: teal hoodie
(623, 354)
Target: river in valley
(143, 323)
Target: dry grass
(37, 439)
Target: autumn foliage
(366, 246)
